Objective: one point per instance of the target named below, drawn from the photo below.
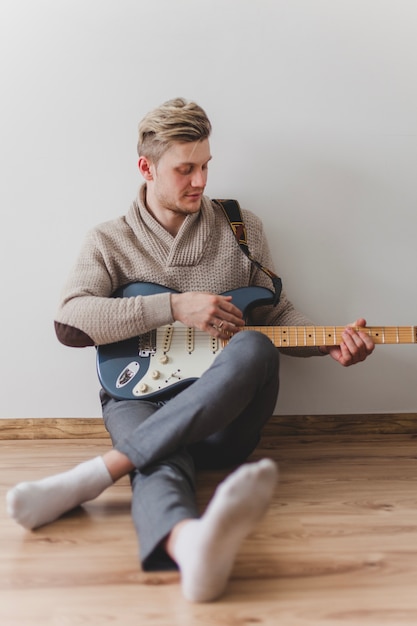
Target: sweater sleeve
(88, 314)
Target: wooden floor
(338, 546)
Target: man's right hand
(211, 313)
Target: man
(175, 236)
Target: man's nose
(199, 179)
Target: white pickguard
(182, 353)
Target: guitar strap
(231, 209)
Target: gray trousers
(216, 422)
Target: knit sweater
(203, 256)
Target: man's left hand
(355, 347)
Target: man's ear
(145, 168)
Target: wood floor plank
(337, 547)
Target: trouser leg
(243, 380)
(163, 494)
(234, 443)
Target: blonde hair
(175, 120)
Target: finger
(362, 339)
(223, 330)
(355, 345)
(213, 330)
(229, 311)
(227, 321)
(361, 323)
(344, 355)
(366, 338)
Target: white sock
(206, 548)
(40, 502)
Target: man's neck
(170, 219)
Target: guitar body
(166, 359)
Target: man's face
(179, 179)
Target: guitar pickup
(147, 344)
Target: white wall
(314, 107)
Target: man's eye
(185, 170)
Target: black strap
(231, 209)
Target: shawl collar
(187, 247)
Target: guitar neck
(314, 336)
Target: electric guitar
(173, 356)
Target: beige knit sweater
(203, 256)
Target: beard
(185, 205)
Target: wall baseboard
(283, 425)
(52, 428)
